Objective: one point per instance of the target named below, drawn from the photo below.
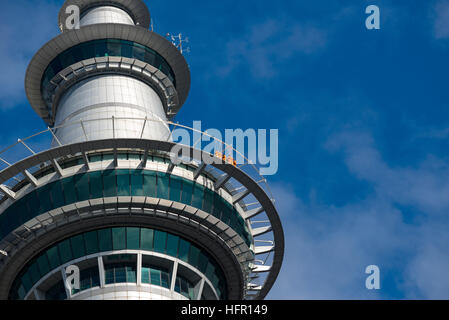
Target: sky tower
(106, 198)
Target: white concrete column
(101, 272)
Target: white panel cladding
(105, 14)
(105, 97)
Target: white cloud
(328, 247)
(425, 187)
(441, 24)
(267, 45)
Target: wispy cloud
(425, 187)
(328, 247)
(266, 46)
(441, 23)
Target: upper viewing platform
(112, 39)
(132, 12)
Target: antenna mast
(178, 41)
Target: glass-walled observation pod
(162, 189)
(117, 183)
(164, 265)
(103, 48)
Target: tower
(106, 197)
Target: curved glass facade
(105, 48)
(113, 183)
(119, 270)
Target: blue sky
(363, 119)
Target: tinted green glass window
(96, 184)
(108, 157)
(82, 186)
(217, 206)
(187, 191)
(184, 288)
(145, 275)
(87, 51)
(43, 264)
(68, 185)
(194, 256)
(233, 221)
(78, 249)
(109, 275)
(184, 249)
(109, 183)
(26, 281)
(178, 285)
(210, 271)
(126, 50)
(44, 199)
(123, 183)
(119, 238)
(12, 217)
(132, 238)
(120, 274)
(91, 242)
(225, 213)
(158, 63)
(56, 194)
(172, 245)
(149, 184)
(21, 292)
(208, 200)
(114, 47)
(89, 278)
(165, 279)
(100, 48)
(149, 56)
(134, 156)
(34, 273)
(22, 212)
(105, 239)
(57, 292)
(162, 185)
(66, 59)
(33, 203)
(155, 277)
(65, 251)
(175, 188)
(198, 195)
(146, 239)
(96, 158)
(19, 211)
(131, 274)
(137, 183)
(214, 279)
(160, 241)
(53, 257)
(139, 52)
(202, 262)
